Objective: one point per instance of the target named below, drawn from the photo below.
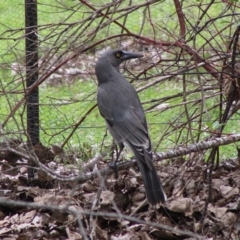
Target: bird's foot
(113, 165)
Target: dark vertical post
(32, 74)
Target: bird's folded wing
(132, 132)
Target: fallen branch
(76, 213)
(84, 177)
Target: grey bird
(122, 110)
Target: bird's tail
(152, 184)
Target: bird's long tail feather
(152, 184)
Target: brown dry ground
(185, 182)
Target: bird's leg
(113, 147)
(121, 147)
(113, 165)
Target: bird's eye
(118, 55)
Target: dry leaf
(182, 205)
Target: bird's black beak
(130, 55)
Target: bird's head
(116, 57)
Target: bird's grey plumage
(121, 108)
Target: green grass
(62, 107)
(52, 14)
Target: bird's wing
(116, 99)
(127, 124)
(134, 133)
